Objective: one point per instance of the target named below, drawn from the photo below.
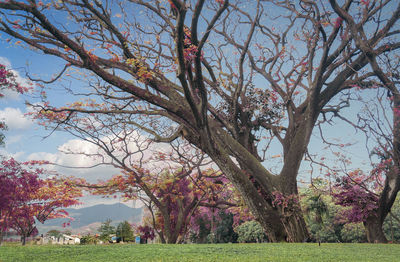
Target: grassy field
(218, 252)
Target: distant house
(71, 240)
(62, 239)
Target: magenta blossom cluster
(8, 81)
(352, 192)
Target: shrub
(89, 239)
(250, 232)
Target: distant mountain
(88, 219)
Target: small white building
(62, 239)
(71, 240)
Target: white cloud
(15, 119)
(73, 164)
(18, 155)
(13, 139)
(5, 62)
(76, 156)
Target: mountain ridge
(88, 219)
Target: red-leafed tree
(229, 79)
(27, 197)
(16, 187)
(172, 190)
(356, 192)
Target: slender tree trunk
(373, 224)
(23, 240)
(1, 237)
(162, 238)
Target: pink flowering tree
(354, 192)
(16, 187)
(172, 196)
(27, 197)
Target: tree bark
(256, 185)
(23, 240)
(374, 231)
(373, 224)
(296, 228)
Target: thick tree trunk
(256, 186)
(374, 231)
(1, 237)
(268, 217)
(171, 240)
(272, 224)
(296, 228)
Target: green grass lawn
(217, 252)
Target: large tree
(229, 78)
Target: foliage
(250, 232)
(8, 81)
(335, 226)
(354, 191)
(26, 196)
(201, 228)
(125, 232)
(89, 239)
(146, 233)
(325, 219)
(213, 229)
(106, 229)
(54, 233)
(353, 233)
(224, 232)
(391, 225)
(174, 193)
(17, 186)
